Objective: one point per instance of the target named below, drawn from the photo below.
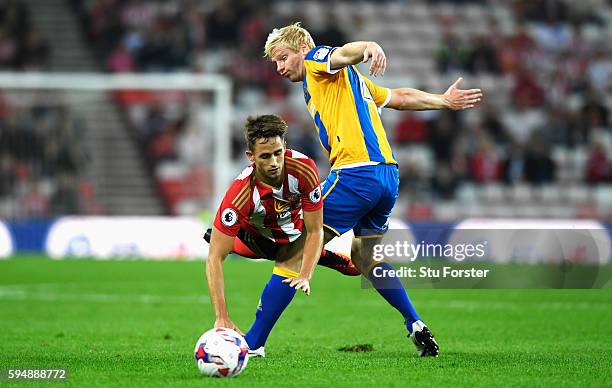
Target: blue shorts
(360, 198)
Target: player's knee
(292, 263)
(366, 250)
(356, 253)
(290, 252)
(356, 247)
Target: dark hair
(263, 127)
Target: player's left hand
(457, 99)
(299, 284)
(379, 59)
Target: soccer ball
(221, 352)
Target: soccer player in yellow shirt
(362, 186)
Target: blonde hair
(291, 36)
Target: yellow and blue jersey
(345, 107)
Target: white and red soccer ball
(221, 352)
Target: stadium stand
(539, 146)
(114, 179)
(43, 152)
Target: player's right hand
(379, 59)
(228, 324)
(457, 99)
(299, 283)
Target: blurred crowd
(559, 67)
(21, 46)
(145, 36)
(138, 35)
(560, 78)
(42, 156)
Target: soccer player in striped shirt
(273, 210)
(362, 186)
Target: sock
(275, 297)
(393, 291)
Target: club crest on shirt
(280, 207)
(283, 207)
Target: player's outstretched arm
(454, 98)
(355, 52)
(313, 222)
(220, 247)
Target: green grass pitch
(135, 323)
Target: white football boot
(423, 340)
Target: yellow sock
(284, 272)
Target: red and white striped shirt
(276, 214)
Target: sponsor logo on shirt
(320, 53)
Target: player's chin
(274, 174)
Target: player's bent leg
(328, 235)
(392, 290)
(289, 257)
(275, 298)
(339, 262)
(249, 246)
(336, 260)
(329, 259)
(356, 254)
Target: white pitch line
(19, 293)
(502, 305)
(508, 305)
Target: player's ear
(303, 48)
(250, 155)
